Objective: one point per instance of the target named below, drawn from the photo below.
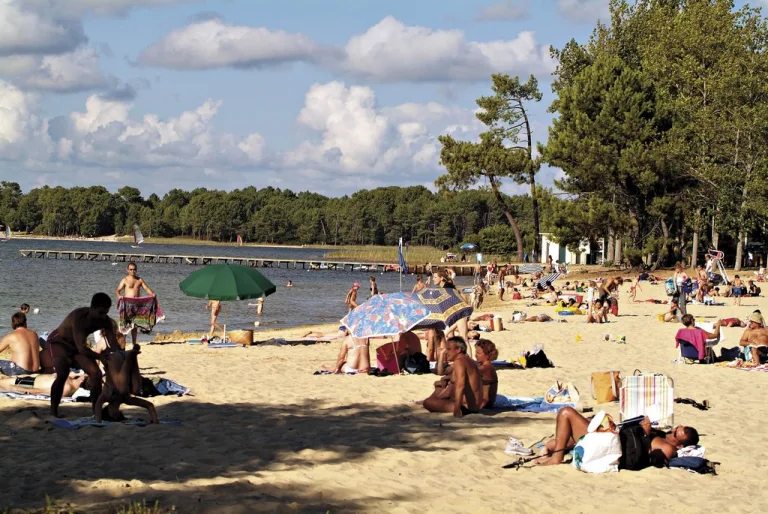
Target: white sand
(263, 434)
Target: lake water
(58, 286)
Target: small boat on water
(138, 238)
(7, 234)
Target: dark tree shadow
(227, 441)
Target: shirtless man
(40, 384)
(756, 336)
(215, 307)
(68, 346)
(738, 290)
(24, 346)
(419, 285)
(354, 356)
(571, 426)
(464, 394)
(131, 287)
(351, 299)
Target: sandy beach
(262, 433)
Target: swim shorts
(11, 369)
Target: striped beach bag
(648, 394)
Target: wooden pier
(253, 262)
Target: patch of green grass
(143, 508)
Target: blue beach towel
(79, 423)
(223, 345)
(526, 404)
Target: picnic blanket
(142, 312)
(79, 423)
(527, 404)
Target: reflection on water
(58, 286)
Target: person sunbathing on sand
(41, 384)
(486, 353)
(464, 394)
(25, 357)
(538, 318)
(756, 336)
(122, 384)
(570, 426)
(354, 356)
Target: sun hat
(757, 318)
(355, 284)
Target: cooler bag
(648, 394)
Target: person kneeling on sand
(673, 313)
(597, 313)
(571, 426)
(122, 385)
(40, 384)
(464, 393)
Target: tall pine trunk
(510, 218)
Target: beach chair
(648, 394)
(688, 351)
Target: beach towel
(526, 404)
(696, 337)
(13, 395)
(223, 345)
(162, 387)
(79, 423)
(142, 312)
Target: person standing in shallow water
(351, 299)
(374, 287)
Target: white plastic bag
(597, 452)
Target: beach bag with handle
(599, 451)
(648, 394)
(605, 386)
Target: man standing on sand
(131, 287)
(24, 346)
(215, 307)
(68, 346)
(351, 298)
(464, 394)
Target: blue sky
(329, 96)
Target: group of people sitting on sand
(40, 366)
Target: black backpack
(416, 364)
(635, 448)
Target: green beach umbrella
(227, 282)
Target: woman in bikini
(485, 353)
(354, 356)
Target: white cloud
(392, 51)
(77, 8)
(215, 44)
(26, 31)
(508, 10)
(79, 70)
(585, 10)
(358, 138)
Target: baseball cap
(757, 318)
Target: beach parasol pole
(401, 261)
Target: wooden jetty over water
(254, 262)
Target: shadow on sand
(233, 443)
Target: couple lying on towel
(465, 386)
(571, 426)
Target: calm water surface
(58, 286)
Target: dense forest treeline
(380, 216)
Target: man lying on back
(24, 346)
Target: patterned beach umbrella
(548, 278)
(530, 268)
(385, 315)
(446, 307)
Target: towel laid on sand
(76, 424)
(527, 404)
(160, 387)
(142, 312)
